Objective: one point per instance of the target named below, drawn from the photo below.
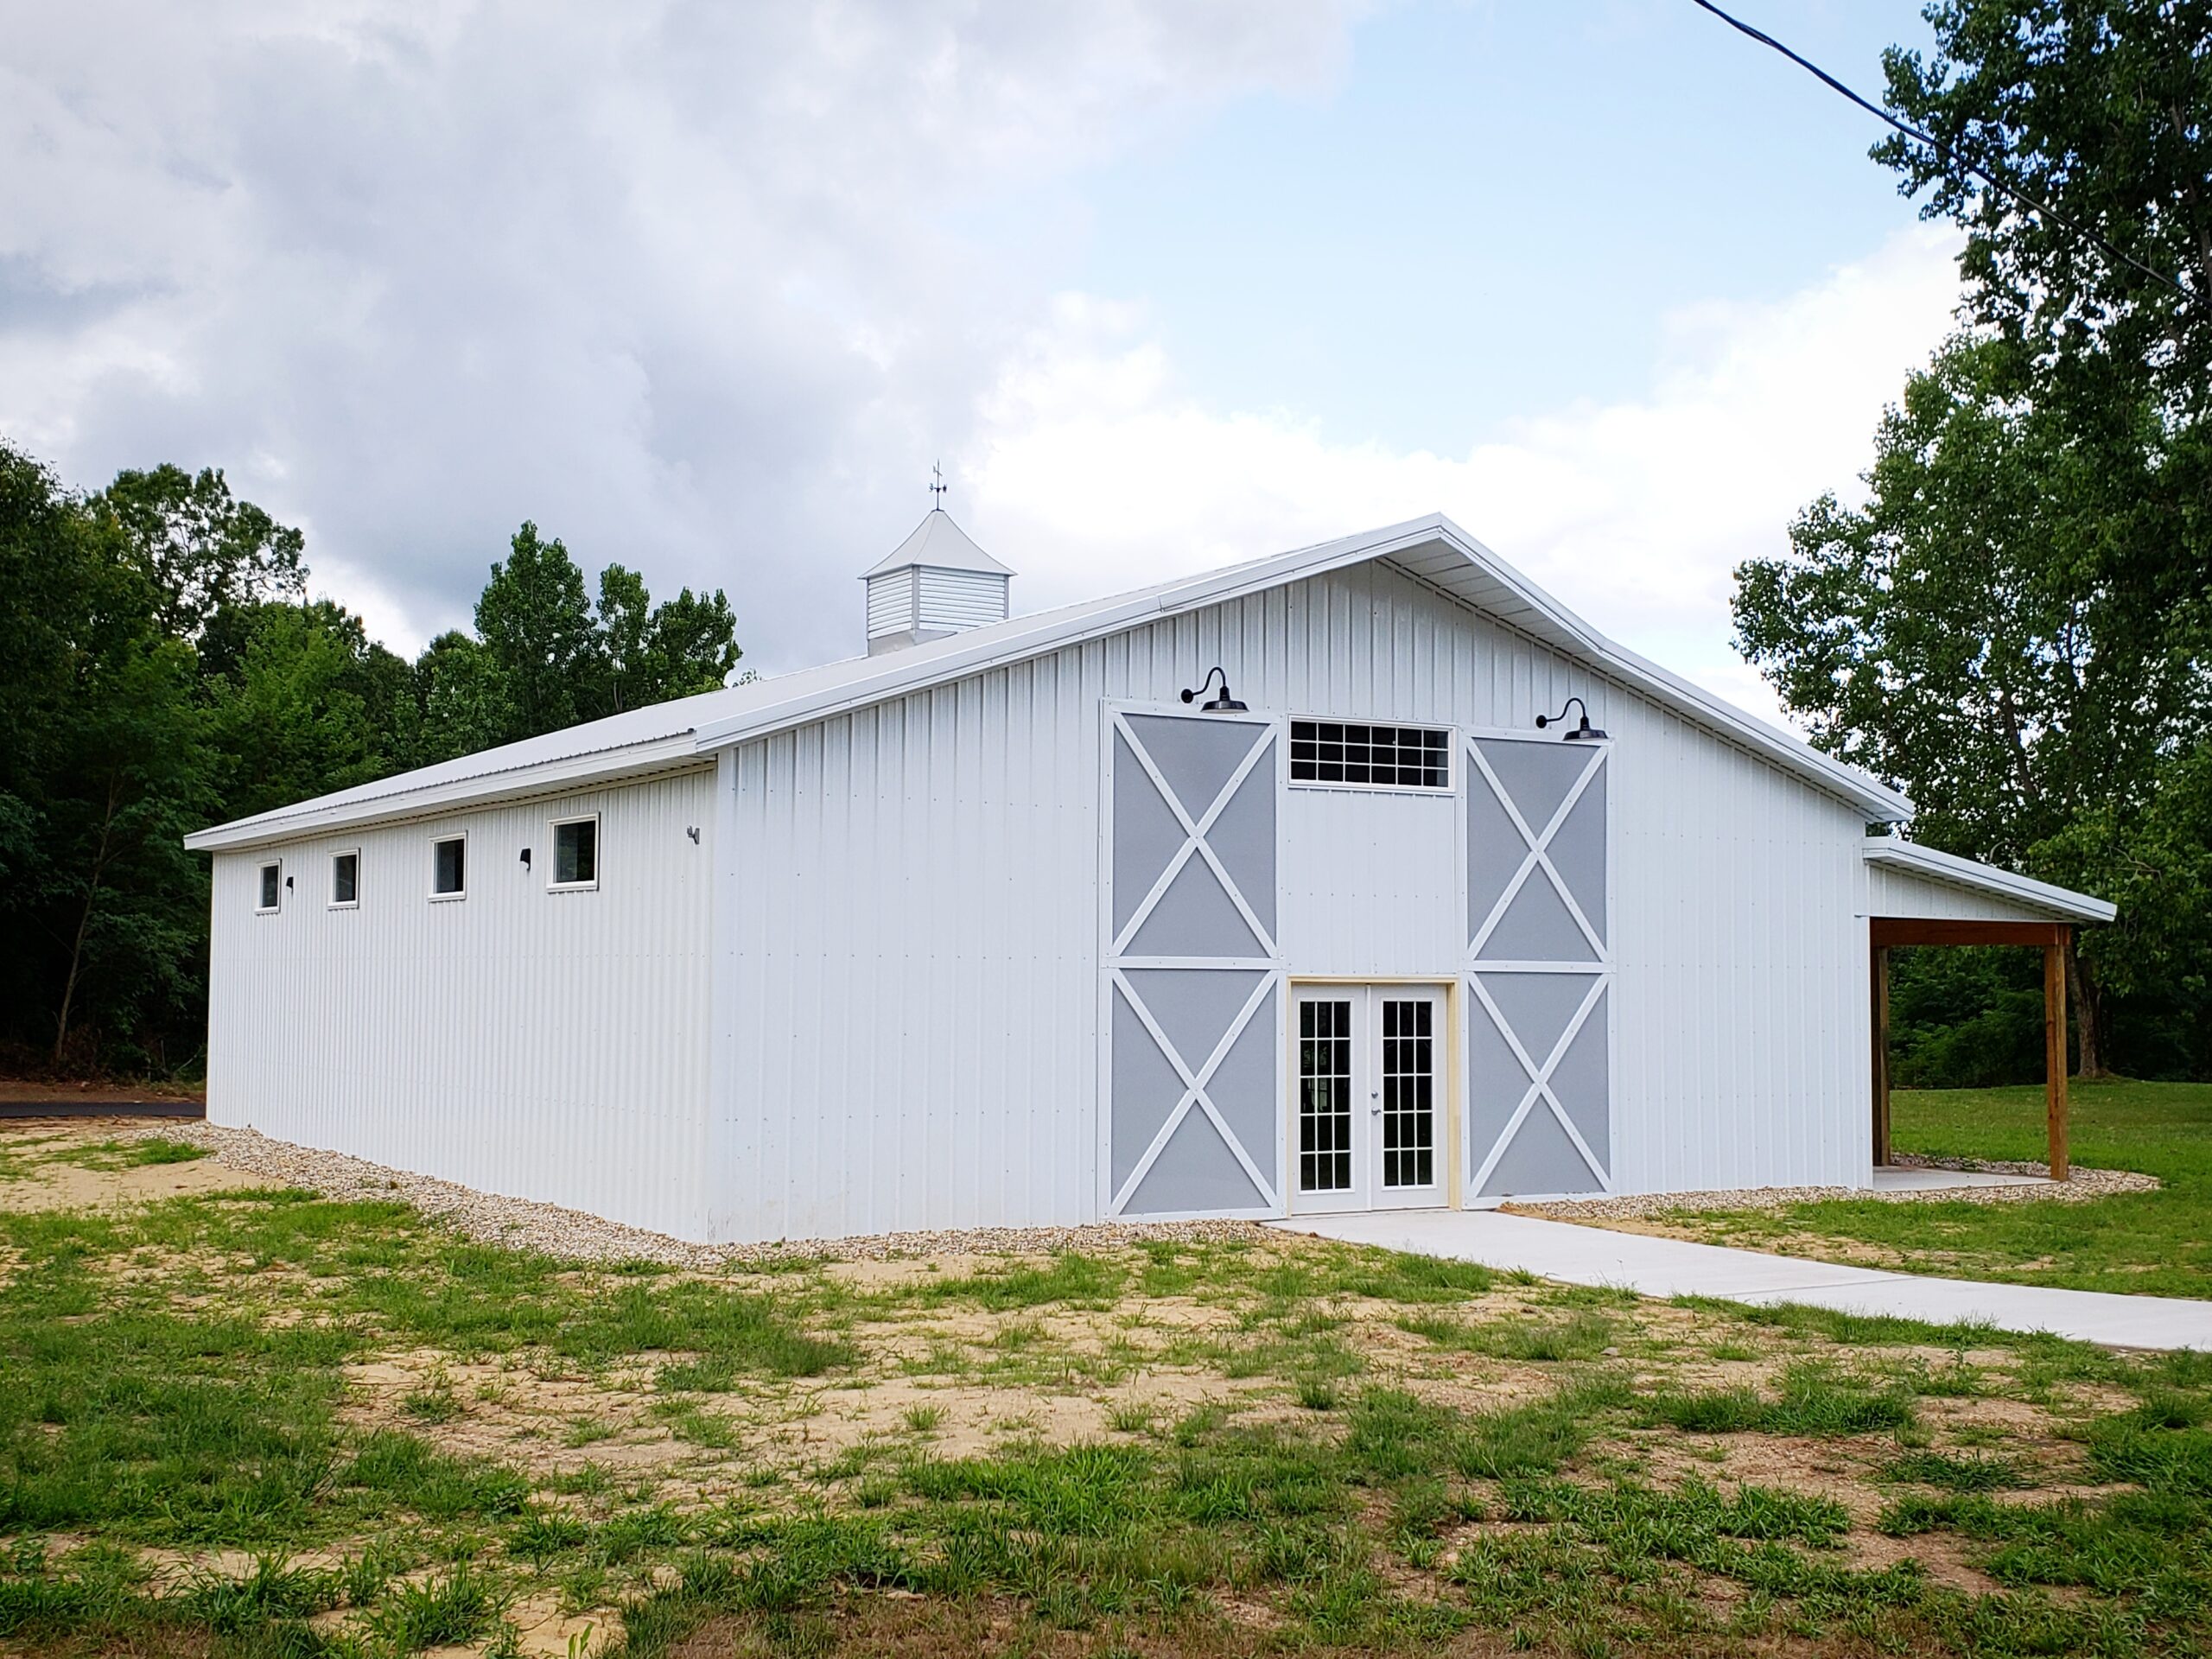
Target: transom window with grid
(1369, 757)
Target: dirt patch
(42, 1177)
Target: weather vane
(937, 485)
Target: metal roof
(939, 544)
(674, 734)
(2062, 903)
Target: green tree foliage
(1972, 633)
(2099, 109)
(163, 669)
(2017, 626)
(103, 767)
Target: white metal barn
(997, 926)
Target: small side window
(450, 867)
(575, 854)
(345, 881)
(272, 876)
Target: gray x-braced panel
(1195, 1170)
(1195, 918)
(1537, 926)
(1536, 775)
(1494, 850)
(1194, 1006)
(1146, 834)
(1243, 839)
(1195, 756)
(1540, 1159)
(1244, 1089)
(1495, 1082)
(1582, 1080)
(1536, 1006)
(1578, 852)
(1147, 1088)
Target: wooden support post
(1880, 990)
(2054, 1055)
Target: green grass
(2155, 1243)
(1383, 1453)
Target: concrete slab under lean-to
(1669, 1267)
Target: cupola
(935, 582)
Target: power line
(1943, 150)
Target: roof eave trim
(1927, 862)
(1562, 629)
(673, 752)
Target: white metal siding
(550, 1046)
(1899, 893)
(1369, 882)
(953, 600)
(914, 970)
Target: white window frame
(553, 853)
(1451, 741)
(354, 903)
(437, 898)
(262, 866)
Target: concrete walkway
(1673, 1267)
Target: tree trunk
(84, 926)
(2089, 1013)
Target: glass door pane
(1325, 1097)
(1408, 1153)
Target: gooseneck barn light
(1583, 733)
(1223, 704)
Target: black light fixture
(525, 858)
(1583, 733)
(1223, 704)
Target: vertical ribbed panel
(916, 960)
(1900, 893)
(1368, 883)
(552, 1045)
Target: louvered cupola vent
(935, 582)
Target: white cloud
(1100, 473)
(679, 280)
(672, 278)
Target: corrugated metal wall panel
(916, 963)
(1900, 893)
(1359, 887)
(552, 1046)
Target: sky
(1161, 283)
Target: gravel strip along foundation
(572, 1235)
(2086, 1184)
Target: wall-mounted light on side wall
(1223, 704)
(692, 830)
(1584, 732)
(525, 858)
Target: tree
(202, 550)
(104, 769)
(558, 660)
(1973, 633)
(460, 703)
(300, 703)
(650, 654)
(536, 625)
(2102, 109)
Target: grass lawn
(246, 1420)
(2150, 1244)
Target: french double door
(1367, 1105)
